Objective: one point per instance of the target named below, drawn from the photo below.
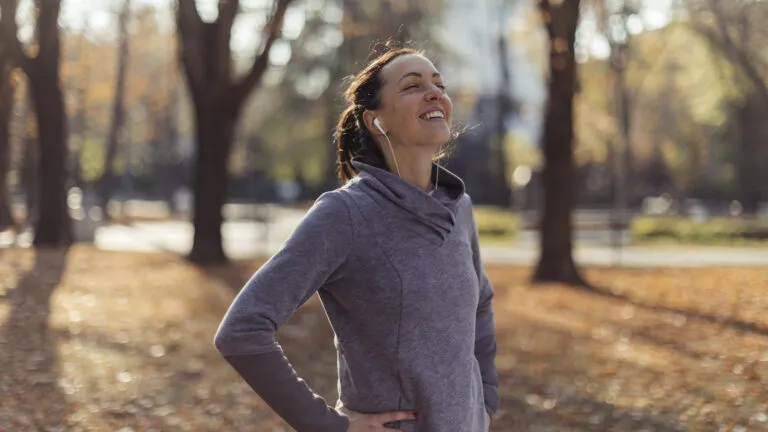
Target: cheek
(407, 109)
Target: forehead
(394, 70)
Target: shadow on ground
(30, 394)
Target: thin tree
(505, 106)
(7, 91)
(555, 228)
(612, 22)
(106, 182)
(218, 97)
(80, 121)
(42, 69)
(30, 159)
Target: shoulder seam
(348, 241)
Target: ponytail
(347, 144)
(353, 139)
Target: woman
(394, 257)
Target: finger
(394, 416)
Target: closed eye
(441, 86)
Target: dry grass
(105, 341)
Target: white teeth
(433, 114)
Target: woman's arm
(313, 255)
(485, 330)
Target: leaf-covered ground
(106, 341)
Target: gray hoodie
(399, 274)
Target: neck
(414, 165)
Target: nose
(434, 93)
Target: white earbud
(377, 123)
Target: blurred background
(613, 145)
(668, 108)
(692, 76)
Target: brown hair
(352, 138)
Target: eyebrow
(417, 74)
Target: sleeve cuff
(491, 394)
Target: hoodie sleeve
(485, 331)
(313, 255)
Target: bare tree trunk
(505, 106)
(53, 223)
(214, 132)
(207, 60)
(619, 60)
(106, 182)
(555, 230)
(80, 126)
(30, 162)
(53, 226)
(7, 91)
(747, 160)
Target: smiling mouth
(432, 115)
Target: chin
(437, 140)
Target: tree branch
(190, 32)
(222, 32)
(273, 29)
(11, 46)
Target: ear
(368, 118)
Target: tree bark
(558, 177)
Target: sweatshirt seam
(348, 242)
(400, 317)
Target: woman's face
(415, 109)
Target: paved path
(242, 238)
(636, 256)
(247, 239)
